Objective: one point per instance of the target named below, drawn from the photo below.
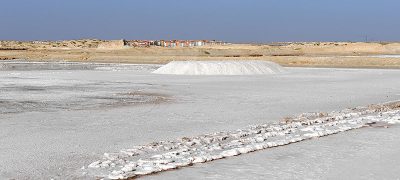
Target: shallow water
(61, 65)
(386, 56)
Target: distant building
(172, 43)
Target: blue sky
(229, 20)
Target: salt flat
(53, 122)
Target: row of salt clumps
(189, 151)
(303, 118)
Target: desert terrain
(306, 54)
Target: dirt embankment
(318, 54)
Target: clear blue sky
(229, 20)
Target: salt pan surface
(220, 68)
(54, 142)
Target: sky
(254, 21)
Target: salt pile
(249, 67)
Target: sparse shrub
(256, 55)
(384, 43)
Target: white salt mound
(248, 67)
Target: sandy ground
(321, 54)
(53, 139)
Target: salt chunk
(229, 153)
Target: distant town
(172, 43)
(159, 43)
(96, 43)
